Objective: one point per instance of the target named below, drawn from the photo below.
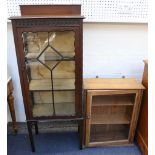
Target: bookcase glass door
(50, 66)
(111, 117)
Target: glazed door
(49, 58)
(109, 117)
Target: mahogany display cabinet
(112, 108)
(48, 41)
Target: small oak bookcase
(112, 108)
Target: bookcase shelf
(46, 109)
(110, 119)
(51, 57)
(113, 100)
(103, 133)
(58, 84)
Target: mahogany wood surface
(50, 19)
(142, 130)
(63, 10)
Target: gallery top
(49, 11)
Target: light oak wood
(59, 84)
(135, 115)
(10, 100)
(111, 92)
(115, 100)
(110, 119)
(88, 120)
(99, 83)
(111, 102)
(110, 143)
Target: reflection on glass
(49, 58)
(108, 132)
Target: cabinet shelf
(113, 100)
(51, 57)
(110, 119)
(102, 133)
(46, 109)
(112, 104)
(59, 84)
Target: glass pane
(111, 114)
(50, 66)
(109, 132)
(111, 117)
(118, 99)
(64, 102)
(42, 103)
(63, 42)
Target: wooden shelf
(110, 119)
(68, 56)
(112, 104)
(104, 133)
(59, 84)
(61, 109)
(113, 100)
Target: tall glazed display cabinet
(48, 41)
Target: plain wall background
(109, 50)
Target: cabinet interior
(108, 132)
(111, 117)
(50, 67)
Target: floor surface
(61, 144)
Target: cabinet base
(141, 143)
(110, 144)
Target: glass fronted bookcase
(112, 109)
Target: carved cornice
(46, 22)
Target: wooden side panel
(135, 115)
(88, 120)
(142, 130)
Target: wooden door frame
(22, 72)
